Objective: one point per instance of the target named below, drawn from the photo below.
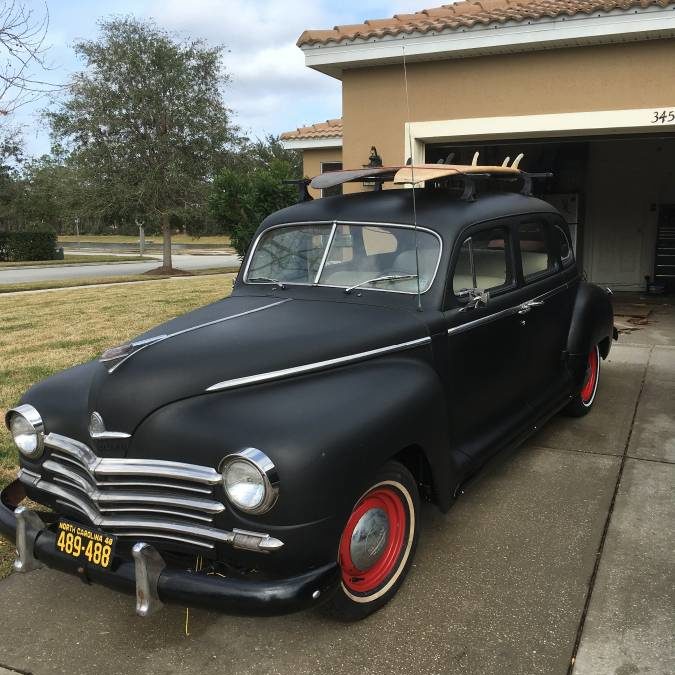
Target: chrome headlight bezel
(34, 420)
(268, 474)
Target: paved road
(184, 262)
(500, 583)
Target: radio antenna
(412, 176)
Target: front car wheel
(377, 544)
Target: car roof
(436, 208)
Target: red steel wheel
(592, 376)
(377, 544)
(372, 541)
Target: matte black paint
(454, 401)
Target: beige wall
(626, 76)
(311, 163)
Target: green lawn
(44, 333)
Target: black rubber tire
(346, 606)
(578, 407)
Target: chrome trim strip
(149, 484)
(311, 367)
(158, 468)
(109, 497)
(110, 434)
(461, 328)
(324, 257)
(162, 338)
(168, 512)
(182, 540)
(347, 222)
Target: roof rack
(410, 174)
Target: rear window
(535, 253)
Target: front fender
(327, 433)
(592, 324)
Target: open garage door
(611, 189)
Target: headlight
(27, 429)
(250, 480)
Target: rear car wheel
(581, 404)
(377, 544)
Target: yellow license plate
(84, 543)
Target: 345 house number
(663, 116)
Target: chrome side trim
(156, 468)
(347, 222)
(110, 434)
(455, 330)
(312, 367)
(162, 338)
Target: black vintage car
(269, 452)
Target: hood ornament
(97, 428)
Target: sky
(270, 89)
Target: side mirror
(476, 298)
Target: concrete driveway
(561, 553)
(16, 275)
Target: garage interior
(616, 192)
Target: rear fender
(592, 324)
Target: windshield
(349, 256)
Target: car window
(482, 262)
(383, 258)
(535, 254)
(564, 247)
(289, 254)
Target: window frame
(569, 260)
(512, 282)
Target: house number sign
(663, 116)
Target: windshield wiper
(386, 277)
(268, 280)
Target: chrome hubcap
(369, 539)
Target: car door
(548, 298)
(486, 358)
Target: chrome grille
(133, 498)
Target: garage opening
(616, 192)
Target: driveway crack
(601, 545)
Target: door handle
(527, 306)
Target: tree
(145, 123)
(240, 199)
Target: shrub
(20, 246)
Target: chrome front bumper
(152, 581)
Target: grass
(219, 239)
(93, 281)
(77, 259)
(47, 332)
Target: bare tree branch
(22, 55)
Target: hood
(239, 337)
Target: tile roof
(327, 129)
(468, 14)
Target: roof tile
(469, 13)
(328, 129)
